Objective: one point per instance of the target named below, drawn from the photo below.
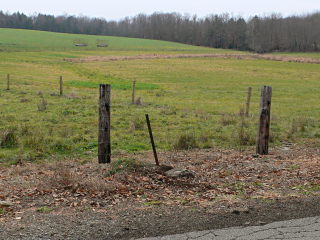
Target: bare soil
(79, 199)
(227, 56)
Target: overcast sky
(117, 9)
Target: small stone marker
(162, 168)
(177, 172)
(6, 204)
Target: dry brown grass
(158, 56)
(55, 177)
(220, 175)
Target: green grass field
(191, 102)
(29, 40)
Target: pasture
(192, 102)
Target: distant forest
(259, 34)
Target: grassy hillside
(192, 102)
(29, 40)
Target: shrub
(185, 142)
(42, 105)
(36, 140)
(123, 164)
(8, 138)
(301, 125)
(205, 140)
(24, 100)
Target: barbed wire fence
(60, 89)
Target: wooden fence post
(248, 101)
(133, 92)
(61, 86)
(152, 141)
(104, 143)
(8, 81)
(264, 120)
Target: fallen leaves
(220, 175)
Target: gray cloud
(116, 9)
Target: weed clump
(228, 119)
(44, 209)
(301, 126)
(123, 164)
(137, 124)
(42, 105)
(205, 140)
(8, 138)
(186, 142)
(243, 135)
(24, 100)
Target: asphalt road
(302, 229)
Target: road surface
(298, 229)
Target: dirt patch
(78, 200)
(226, 56)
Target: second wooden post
(133, 92)
(61, 86)
(264, 120)
(8, 81)
(248, 101)
(104, 143)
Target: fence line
(105, 106)
(56, 86)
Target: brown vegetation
(223, 176)
(157, 56)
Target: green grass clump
(8, 138)
(2, 211)
(186, 142)
(123, 164)
(44, 209)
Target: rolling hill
(31, 40)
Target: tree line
(259, 34)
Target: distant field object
(80, 43)
(102, 45)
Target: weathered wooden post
(264, 120)
(104, 143)
(133, 92)
(61, 86)
(152, 141)
(8, 81)
(248, 101)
